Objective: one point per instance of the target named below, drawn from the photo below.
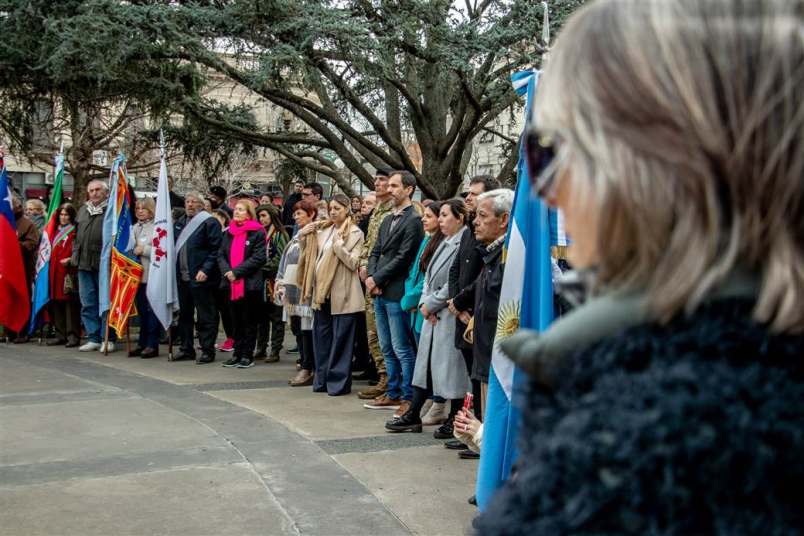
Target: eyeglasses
(540, 151)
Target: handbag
(70, 286)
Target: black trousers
(222, 305)
(150, 327)
(198, 301)
(66, 316)
(363, 359)
(468, 358)
(270, 320)
(245, 313)
(304, 340)
(334, 342)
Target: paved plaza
(94, 445)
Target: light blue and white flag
(526, 299)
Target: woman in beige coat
(328, 272)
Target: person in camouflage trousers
(383, 208)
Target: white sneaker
(108, 347)
(89, 347)
(437, 415)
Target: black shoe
(472, 500)
(245, 363)
(409, 422)
(148, 353)
(260, 354)
(444, 431)
(455, 445)
(204, 359)
(72, 342)
(366, 375)
(56, 342)
(294, 350)
(184, 356)
(232, 362)
(468, 455)
(135, 352)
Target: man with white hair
(483, 296)
(198, 238)
(86, 257)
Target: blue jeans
(397, 346)
(94, 325)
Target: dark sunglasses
(540, 150)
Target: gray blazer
(437, 343)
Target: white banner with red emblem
(161, 291)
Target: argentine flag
(526, 299)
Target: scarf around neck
(237, 252)
(95, 211)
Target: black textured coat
(463, 273)
(250, 270)
(696, 427)
(202, 251)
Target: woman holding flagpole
(64, 306)
(148, 342)
(241, 258)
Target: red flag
(15, 299)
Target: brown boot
(373, 392)
(303, 377)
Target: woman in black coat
(671, 401)
(241, 258)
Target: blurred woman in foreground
(669, 403)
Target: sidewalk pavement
(93, 444)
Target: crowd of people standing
(380, 288)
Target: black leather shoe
(181, 356)
(455, 445)
(204, 359)
(260, 354)
(366, 375)
(444, 431)
(468, 455)
(409, 422)
(56, 342)
(148, 353)
(135, 352)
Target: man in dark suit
(398, 241)
(198, 239)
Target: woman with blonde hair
(671, 401)
(328, 275)
(240, 259)
(143, 230)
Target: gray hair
(503, 200)
(195, 195)
(98, 181)
(681, 122)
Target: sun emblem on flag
(508, 320)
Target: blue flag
(526, 299)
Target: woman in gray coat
(440, 369)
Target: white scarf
(191, 227)
(96, 211)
